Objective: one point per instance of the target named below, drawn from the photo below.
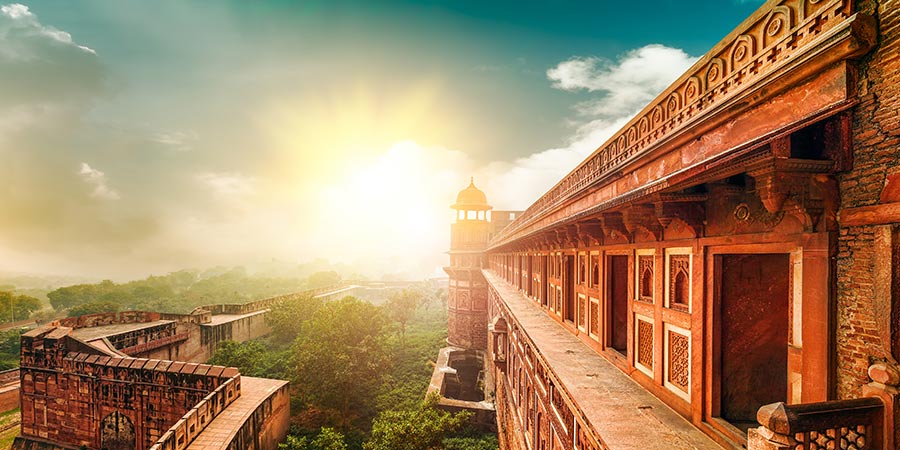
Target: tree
(401, 306)
(422, 429)
(17, 307)
(69, 296)
(323, 279)
(93, 308)
(10, 342)
(287, 318)
(253, 358)
(341, 357)
(485, 442)
(328, 439)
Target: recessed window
(678, 279)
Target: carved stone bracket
(642, 217)
(590, 232)
(613, 227)
(781, 179)
(689, 209)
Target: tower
(467, 293)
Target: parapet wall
(68, 395)
(101, 319)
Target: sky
(141, 137)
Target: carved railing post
(884, 385)
(775, 432)
(855, 424)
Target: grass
(7, 437)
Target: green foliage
(252, 358)
(323, 279)
(328, 439)
(401, 306)
(423, 428)
(288, 317)
(410, 374)
(177, 292)
(486, 442)
(340, 358)
(93, 308)
(17, 307)
(10, 342)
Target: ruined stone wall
(68, 396)
(874, 179)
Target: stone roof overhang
(782, 68)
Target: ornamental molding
(779, 37)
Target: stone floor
(623, 413)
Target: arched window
(647, 284)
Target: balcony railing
(855, 424)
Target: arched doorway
(117, 432)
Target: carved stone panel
(645, 343)
(678, 373)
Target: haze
(148, 137)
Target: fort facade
(724, 271)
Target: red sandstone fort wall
(874, 179)
(66, 395)
(268, 424)
(101, 319)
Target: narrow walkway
(221, 431)
(624, 414)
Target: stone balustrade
(180, 435)
(855, 424)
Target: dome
(471, 198)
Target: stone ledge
(622, 413)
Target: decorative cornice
(779, 37)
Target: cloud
(43, 69)
(97, 179)
(227, 184)
(177, 140)
(625, 85)
(622, 88)
(19, 20)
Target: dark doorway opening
(617, 296)
(754, 300)
(117, 432)
(569, 290)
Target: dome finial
(472, 180)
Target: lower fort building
(723, 272)
(134, 380)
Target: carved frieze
(793, 32)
